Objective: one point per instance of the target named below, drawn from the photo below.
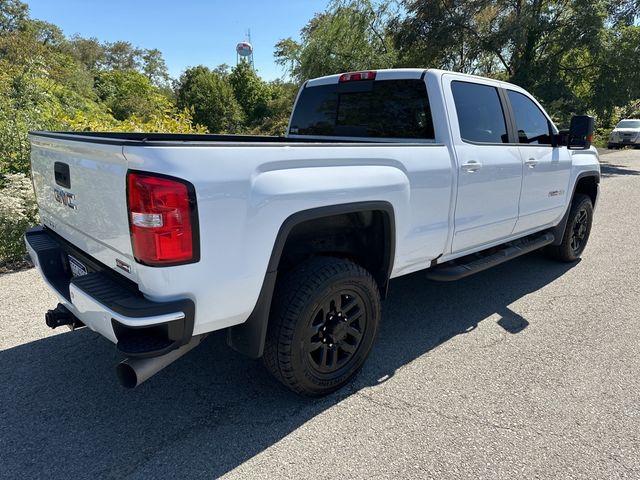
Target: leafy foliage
(211, 98)
(266, 105)
(13, 13)
(250, 90)
(127, 92)
(545, 46)
(617, 84)
(349, 35)
(168, 122)
(235, 100)
(17, 212)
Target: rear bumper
(107, 302)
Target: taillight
(355, 76)
(162, 219)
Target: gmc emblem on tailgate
(65, 198)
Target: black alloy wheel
(322, 326)
(577, 231)
(336, 331)
(580, 230)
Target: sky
(189, 32)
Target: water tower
(244, 51)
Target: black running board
(477, 262)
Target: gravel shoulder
(527, 370)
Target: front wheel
(577, 231)
(323, 323)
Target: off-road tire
(577, 230)
(302, 301)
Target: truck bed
(241, 184)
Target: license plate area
(78, 269)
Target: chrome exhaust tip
(135, 371)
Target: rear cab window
(479, 112)
(385, 109)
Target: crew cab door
(489, 167)
(546, 168)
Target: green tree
(154, 67)
(223, 70)
(251, 92)
(210, 97)
(88, 51)
(617, 82)
(127, 93)
(13, 13)
(122, 55)
(277, 109)
(624, 12)
(349, 35)
(518, 37)
(546, 46)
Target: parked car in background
(626, 132)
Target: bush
(166, 122)
(18, 211)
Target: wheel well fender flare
(558, 230)
(248, 338)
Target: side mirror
(580, 132)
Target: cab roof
(407, 74)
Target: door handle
(531, 163)
(471, 166)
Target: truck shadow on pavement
(612, 170)
(63, 414)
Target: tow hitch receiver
(62, 316)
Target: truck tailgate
(81, 192)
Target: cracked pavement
(527, 370)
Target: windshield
(629, 124)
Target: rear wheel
(324, 320)
(577, 231)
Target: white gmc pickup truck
(288, 244)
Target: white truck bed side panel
(245, 193)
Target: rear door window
(480, 114)
(369, 108)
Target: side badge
(556, 193)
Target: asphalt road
(528, 370)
